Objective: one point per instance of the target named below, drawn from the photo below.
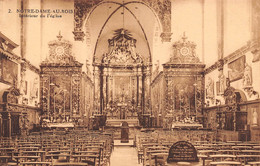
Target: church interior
(129, 82)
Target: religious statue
(34, 89)
(210, 88)
(255, 117)
(247, 78)
(222, 81)
(256, 54)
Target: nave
(137, 82)
(104, 148)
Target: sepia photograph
(129, 82)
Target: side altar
(65, 90)
(181, 84)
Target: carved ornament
(256, 54)
(60, 51)
(210, 90)
(184, 52)
(251, 45)
(122, 49)
(11, 95)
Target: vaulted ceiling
(135, 17)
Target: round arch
(120, 4)
(241, 95)
(124, 5)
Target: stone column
(111, 89)
(234, 121)
(96, 89)
(9, 125)
(107, 87)
(1, 125)
(101, 86)
(148, 90)
(133, 90)
(137, 88)
(104, 90)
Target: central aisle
(124, 156)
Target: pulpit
(13, 117)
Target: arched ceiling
(135, 17)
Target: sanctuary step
(117, 122)
(119, 143)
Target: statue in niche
(247, 78)
(210, 88)
(256, 54)
(222, 81)
(34, 89)
(255, 117)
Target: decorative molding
(60, 54)
(11, 56)
(211, 68)
(220, 64)
(122, 49)
(7, 44)
(166, 36)
(219, 108)
(79, 35)
(250, 46)
(172, 65)
(184, 52)
(28, 64)
(250, 91)
(11, 95)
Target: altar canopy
(122, 79)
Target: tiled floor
(127, 156)
(124, 156)
(119, 143)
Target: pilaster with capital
(1, 125)
(9, 125)
(96, 89)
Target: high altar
(122, 81)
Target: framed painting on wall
(10, 71)
(237, 68)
